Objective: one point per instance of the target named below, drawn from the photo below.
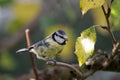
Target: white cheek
(58, 39)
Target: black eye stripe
(53, 37)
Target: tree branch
(114, 65)
(72, 68)
(31, 54)
(107, 14)
(106, 17)
(113, 54)
(101, 61)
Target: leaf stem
(31, 54)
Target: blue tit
(49, 47)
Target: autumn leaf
(85, 45)
(86, 5)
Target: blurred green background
(43, 17)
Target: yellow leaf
(85, 5)
(85, 45)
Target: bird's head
(60, 37)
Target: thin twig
(75, 71)
(106, 17)
(112, 37)
(108, 9)
(108, 26)
(115, 43)
(31, 55)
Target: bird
(49, 47)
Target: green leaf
(86, 5)
(115, 12)
(84, 46)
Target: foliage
(85, 45)
(115, 11)
(86, 5)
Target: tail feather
(23, 50)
